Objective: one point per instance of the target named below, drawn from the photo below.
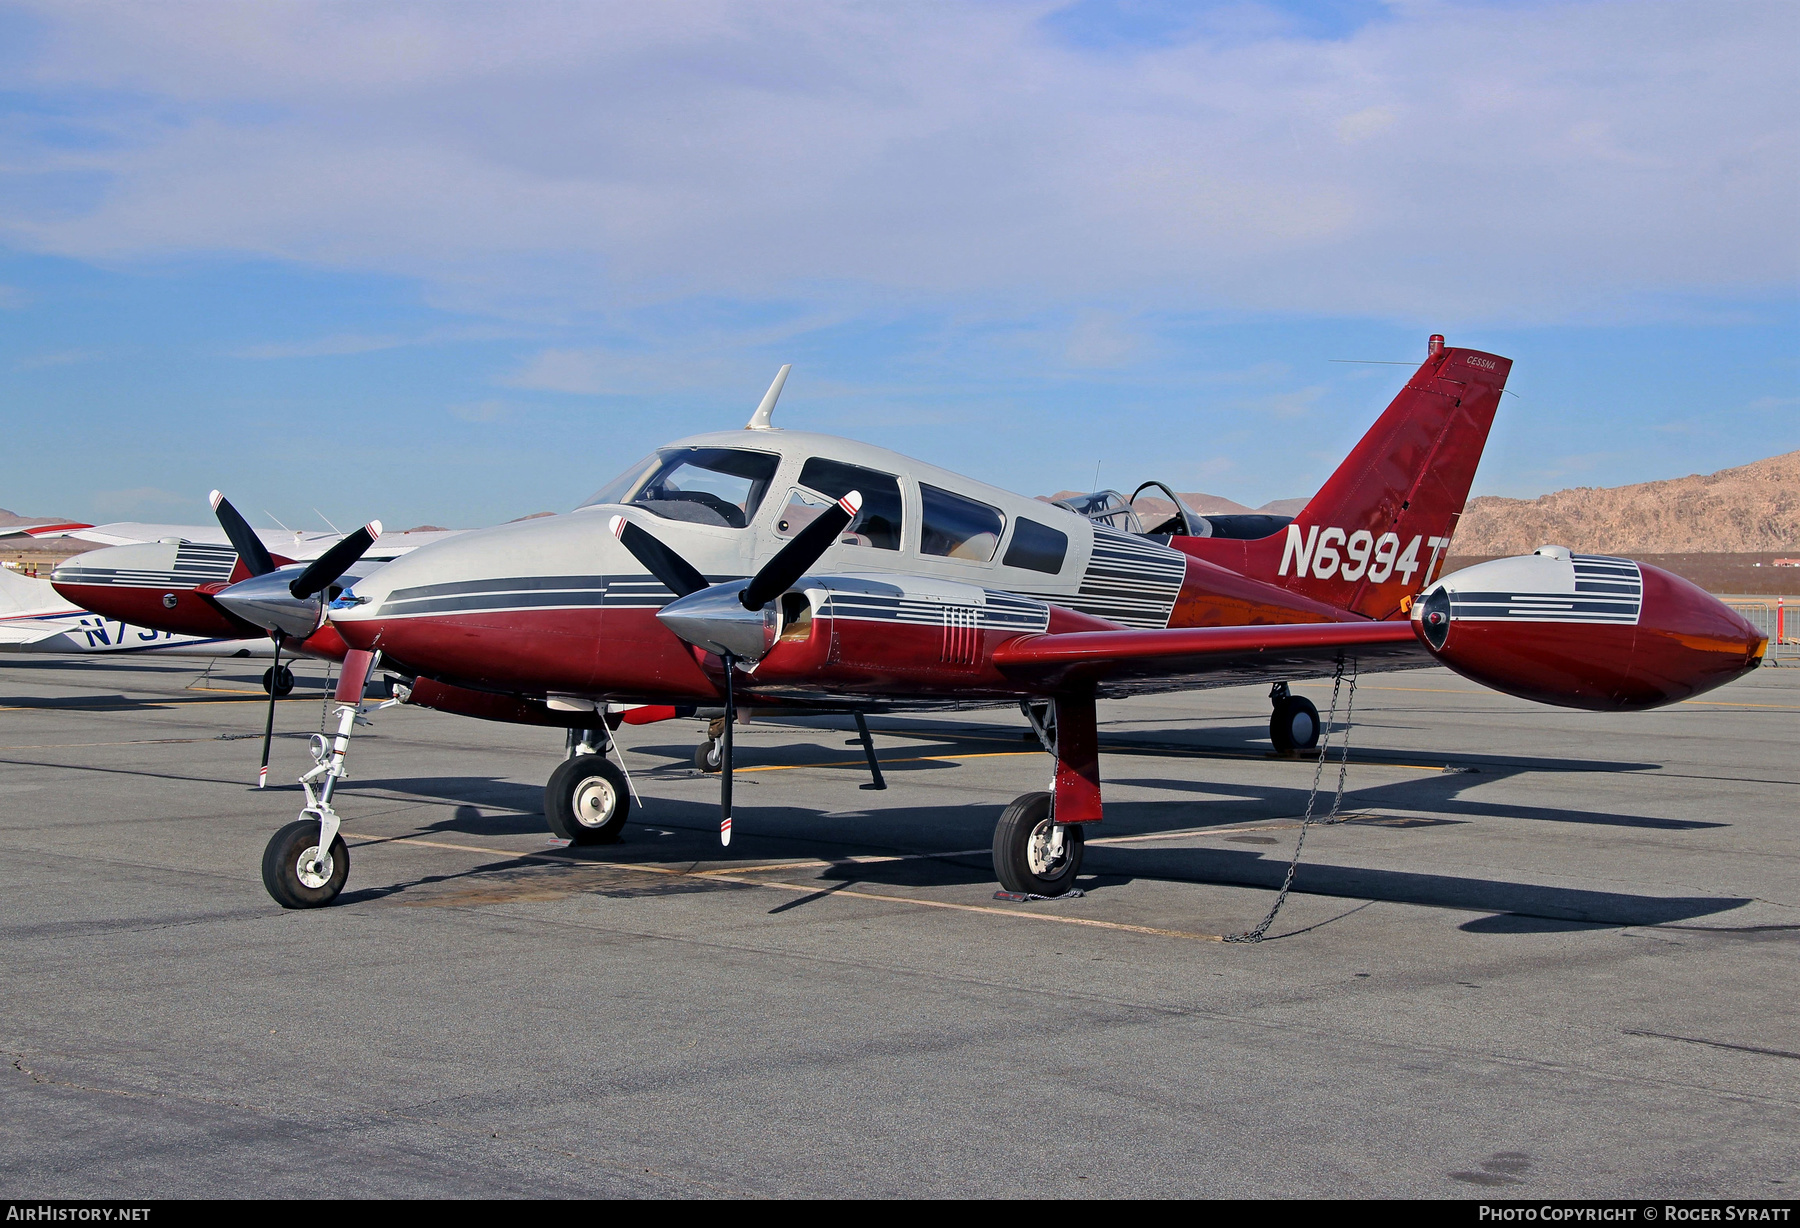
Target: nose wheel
(295, 872)
(1034, 854)
(278, 680)
(1294, 723)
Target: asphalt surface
(1551, 954)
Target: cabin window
(957, 527)
(716, 486)
(1037, 547)
(878, 524)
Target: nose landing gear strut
(306, 863)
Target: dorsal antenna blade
(759, 421)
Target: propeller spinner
(282, 603)
(734, 620)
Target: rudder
(1377, 531)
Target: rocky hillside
(10, 519)
(1206, 505)
(1752, 508)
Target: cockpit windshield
(716, 486)
(1107, 507)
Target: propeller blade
(676, 573)
(725, 756)
(262, 775)
(243, 538)
(794, 558)
(335, 561)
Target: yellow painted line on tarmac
(133, 742)
(986, 754)
(171, 702)
(807, 889)
(1010, 754)
(1725, 703)
(1423, 690)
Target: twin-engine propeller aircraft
(800, 572)
(162, 577)
(34, 618)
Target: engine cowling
(1585, 631)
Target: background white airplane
(300, 545)
(35, 618)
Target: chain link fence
(1775, 617)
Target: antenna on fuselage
(759, 421)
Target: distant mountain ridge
(10, 519)
(1205, 504)
(1751, 508)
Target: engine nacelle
(1585, 631)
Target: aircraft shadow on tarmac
(687, 829)
(682, 830)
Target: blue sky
(458, 263)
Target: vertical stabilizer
(1377, 531)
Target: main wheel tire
(1294, 725)
(1022, 859)
(587, 800)
(293, 886)
(278, 682)
(709, 756)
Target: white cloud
(138, 501)
(1363, 124)
(1295, 404)
(60, 358)
(324, 347)
(1570, 160)
(481, 411)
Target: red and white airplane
(800, 572)
(159, 577)
(34, 618)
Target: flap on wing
(1216, 655)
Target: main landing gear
(588, 798)
(709, 755)
(1033, 853)
(278, 680)
(1039, 840)
(1294, 723)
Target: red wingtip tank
(1585, 631)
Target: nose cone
(265, 601)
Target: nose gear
(306, 863)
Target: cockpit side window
(957, 527)
(1037, 546)
(878, 525)
(716, 486)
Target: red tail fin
(1376, 532)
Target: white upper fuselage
(1134, 585)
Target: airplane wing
(31, 635)
(62, 529)
(1124, 662)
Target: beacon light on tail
(1585, 631)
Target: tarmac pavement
(1552, 954)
